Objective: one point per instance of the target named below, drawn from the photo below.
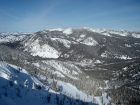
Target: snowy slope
(44, 51)
(17, 86)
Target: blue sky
(35, 15)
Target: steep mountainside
(20, 87)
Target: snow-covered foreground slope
(18, 87)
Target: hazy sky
(35, 15)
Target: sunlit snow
(68, 31)
(44, 51)
(90, 41)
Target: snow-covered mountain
(90, 60)
(77, 44)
